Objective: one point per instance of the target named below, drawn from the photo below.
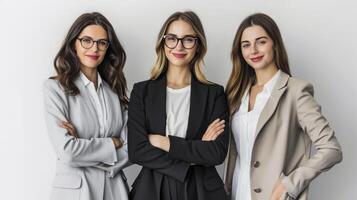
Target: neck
(265, 74)
(178, 76)
(91, 74)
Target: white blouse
(177, 111)
(244, 125)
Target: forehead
(253, 32)
(94, 31)
(180, 28)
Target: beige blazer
(289, 124)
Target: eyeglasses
(88, 42)
(171, 41)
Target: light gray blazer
(290, 123)
(77, 174)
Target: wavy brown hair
(161, 63)
(242, 74)
(67, 64)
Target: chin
(257, 66)
(90, 65)
(179, 63)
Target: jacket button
(256, 164)
(257, 190)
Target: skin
(179, 76)
(257, 50)
(89, 67)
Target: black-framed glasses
(171, 41)
(88, 43)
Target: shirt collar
(86, 81)
(269, 86)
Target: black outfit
(187, 171)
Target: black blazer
(188, 157)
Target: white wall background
(320, 37)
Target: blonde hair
(161, 63)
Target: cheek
(245, 54)
(270, 54)
(192, 53)
(268, 49)
(167, 52)
(79, 51)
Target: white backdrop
(320, 37)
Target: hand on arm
(118, 142)
(278, 191)
(212, 132)
(70, 128)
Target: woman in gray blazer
(274, 120)
(86, 113)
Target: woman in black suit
(177, 120)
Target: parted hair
(161, 64)
(242, 74)
(67, 64)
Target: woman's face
(182, 54)
(91, 46)
(257, 48)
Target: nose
(179, 45)
(254, 49)
(95, 46)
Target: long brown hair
(161, 63)
(242, 74)
(67, 64)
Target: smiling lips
(257, 59)
(93, 57)
(179, 55)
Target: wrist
(117, 143)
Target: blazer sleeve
(77, 152)
(141, 151)
(207, 153)
(328, 150)
(122, 153)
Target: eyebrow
(171, 34)
(86, 36)
(262, 37)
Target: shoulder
(141, 84)
(52, 85)
(298, 86)
(214, 88)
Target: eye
(103, 42)
(189, 39)
(245, 45)
(170, 38)
(262, 42)
(87, 41)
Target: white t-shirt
(177, 111)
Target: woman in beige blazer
(275, 120)
(86, 113)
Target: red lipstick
(257, 59)
(93, 57)
(179, 55)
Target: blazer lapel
(156, 105)
(272, 103)
(87, 99)
(197, 107)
